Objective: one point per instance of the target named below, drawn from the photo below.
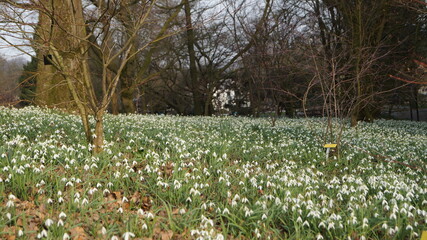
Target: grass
(167, 177)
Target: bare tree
(63, 42)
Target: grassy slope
(189, 177)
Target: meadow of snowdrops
(169, 177)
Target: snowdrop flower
(331, 225)
(182, 211)
(9, 216)
(42, 234)
(219, 237)
(225, 211)
(48, 222)
(115, 238)
(365, 223)
(149, 215)
(66, 236)
(128, 235)
(257, 233)
(384, 226)
(62, 215)
(10, 204)
(144, 226)
(120, 210)
(60, 223)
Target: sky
(22, 31)
(11, 52)
(216, 9)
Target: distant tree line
(341, 58)
(10, 73)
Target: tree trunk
(51, 89)
(129, 83)
(197, 96)
(98, 138)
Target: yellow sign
(424, 235)
(332, 146)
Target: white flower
(20, 233)
(43, 233)
(149, 215)
(365, 223)
(10, 204)
(62, 215)
(103, 231)
(182, 211)
(257, 233)
(384, 226)
(115, 238)
(48, 222)
(225, 211)
(128, 235)
(65, 236)
(60, 223)
(331, 225)
(219, 237)
(144, 226)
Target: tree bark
(197, 96)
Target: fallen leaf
(166, 235)
(146, 203)
(175, 211)
(117, 195)
(78, 233)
